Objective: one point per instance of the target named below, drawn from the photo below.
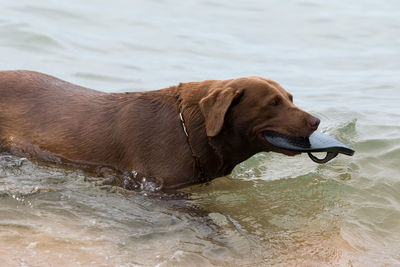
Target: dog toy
(317, 142)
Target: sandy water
(341, 61)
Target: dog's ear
(214, 107)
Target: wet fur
(56, 121)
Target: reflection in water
(72, 220)
(57, 215)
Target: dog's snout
(313, 123)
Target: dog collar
(183, 125)
(197, 169)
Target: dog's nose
(313, 123)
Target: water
(341, 61)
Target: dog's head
(240, 110)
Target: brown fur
(54, 120)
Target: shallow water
(341, 60)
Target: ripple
(103, 77)
(22, 36)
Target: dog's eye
(275, 102)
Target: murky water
(341, 60)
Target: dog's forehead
(261, 86)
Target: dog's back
(40, 110)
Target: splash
(7, 161)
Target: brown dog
(181, 135)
